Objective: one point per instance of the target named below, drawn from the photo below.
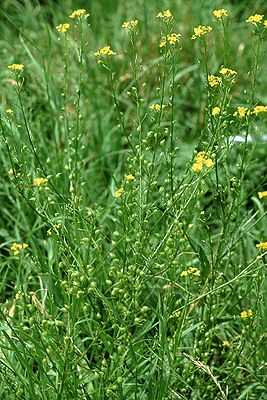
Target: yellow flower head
(171, 39)
(246, 314)
(105, 51)
(259, 109)
(220, 13)
(78, 13)
(201, 30)
(165, 15)
(16, 248)
(262, 245)
(62, 27)
(215, 111)
(241, 112)
(9, 111)
(227, 71)
(130, 24)
(265, 23)
(255, 19)
(39, 181)
(16, 67)
(155, 107)
(208, 162)
(191, 271)
(118, 192)
(129, 177)
(262, 194)
(226, 343)
(214, 80)
(202, 159)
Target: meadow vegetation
(133, 199)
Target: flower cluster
(129, 25)
(129, 177)
(171, 39)
(105, 51)
(255, 19)
(16, 67)
(39, 181)
(191, 271)
(201, 30)
(246, 314)
(220, 13)
(118, 192)
(155, 107)
(78, 13)
(262, 194)
(16, 248)
(55, 227)
(227, 71)
(202, 159)
(262, 245)
(165, 15)
(241, 112)
(62, 27)
(9, 112)
(244, 111)
(215, 111)
(259, 109)
(214, 80)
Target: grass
(133, 199)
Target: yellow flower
(197, 166)
(227, 71)
(155, 107)
(62, 27)
(130, 24)
(191, 271)
(226, 343)
(177, 313)
(255, 19)
(202, 159)
(201, 30)
(241, 112)
(262, 194)
(194, 271)
(129, 177)
(214, 80)
(246, 314)
(118, 192)
(16, 67)
(265, 23)
(208, 162)
(171, 39)
(78, 13)
(163, 42)
(165, 15)
(105, 51)
(18, 295)
(220, 13)
(262, 245)
(16, 248)
(259, 109)
(9, 111)
(215, 111)
(39, 181)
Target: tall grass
(133, 198)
